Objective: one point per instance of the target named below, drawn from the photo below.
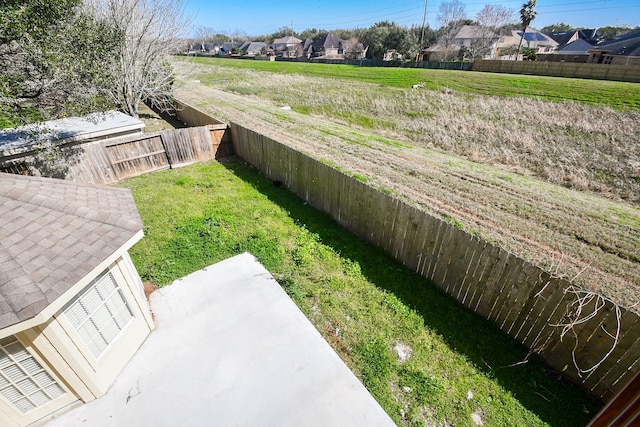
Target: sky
(266, 17)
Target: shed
(98, 126)
(72, 306)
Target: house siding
(59, 347)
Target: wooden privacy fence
(109, 161)
(623, 73)
(524, 301)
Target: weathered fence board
(108, 161)
(134, 157)
(179, 147)
(523, 300)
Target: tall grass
(618, 95)
(568, 143)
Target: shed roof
(100, 125)
(52, 234)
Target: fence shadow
(536, 386)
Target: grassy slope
(363, 302)
(618, 95)
(571, 143)
(520, 213)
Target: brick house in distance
(72, 306)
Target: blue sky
(265, 17)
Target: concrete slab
(231, 349)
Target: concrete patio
(230, 349)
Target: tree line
(492, 20)
(68, 57)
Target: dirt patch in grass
(578, 235)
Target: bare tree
(150, 31)
(451, 16)
(491, 18)
(527, 14)
(205, 34)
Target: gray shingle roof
(52, 234)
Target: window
(23, 381)
(607, 59)
(99, 313)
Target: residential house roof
(52, 234)
(253, 47)
(287, 40)
(577, 47)
(327, 41)
(228, 46)
(532, 39)
(625, 45)
(589, 35)
(473, 32)
(307, 45)
(564, 37)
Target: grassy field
(588, 139)
(478, 160)
(618, 95)
(367, 306)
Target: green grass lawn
(618, 95)
(361, 300)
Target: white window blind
(99, 313)
(23, 381)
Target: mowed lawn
(617, 95)
(423, 357)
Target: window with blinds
(23, 381)
(99, 313)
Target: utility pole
(424, 20)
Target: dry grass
(379, 133)
(578, 146)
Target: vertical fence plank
(522, 299)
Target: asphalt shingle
(52, 234)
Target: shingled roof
(52, 234)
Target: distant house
(437, 52)
(533, 39)
(287, 47)
(353, 49)
(195, 47)
(624, 50)
(72, 306)
(576, 47)
(212, 47)
(253, 48)
(328, 45)
(591, 36)
(480, 42)
(227, 48)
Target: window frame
(78, 299)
